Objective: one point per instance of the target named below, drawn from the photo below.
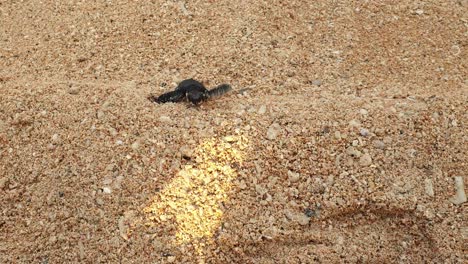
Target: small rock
(164, 119)
(135, 145)
(317, 82)
(73, 89)
(338, 135)
(365, 160)
(229, 139)
(330, 180)
(242, 185)
(99, 201)
(363, 111)
(353, 152)
(301, 219)
(113, 131)
(171, 259)
(55, 137)
(262, 110)
(118, 182)
(122, 228)
(260, 190)
(107, 181)
(428, 186)
(164, 218)
(119, 142)
(100, 114)
(419, 12)
(52, 239)
(460, 195)
(309, 212)
(186, 152)
(3, 183)
(464, 232)
(364, 132)
(293, 176)
(13, 185)
(81, 249)
(354, 123)
(273, 131)
(454, 123)
(379, 144)
(412, 153)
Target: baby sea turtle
(191, 90)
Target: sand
(343, 140)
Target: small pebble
(99, 201)
(338, 135)
(353, 152)
(122, 228)
(3, 183)
(429, 188)
(135, 145)
(81, 250)
(363, 111)
(301, 219)
(52, 239)
(260, 190)
(229, 139)
(460, 195)
(106, 190)
(100, 114)
(365, 160)
(262, 110)
(412, 153)
(73, 89)
(164, 119)
(364, 132)
(309, 212)
(379, 144)
(55, 137)
(113, 131)
(242, 185)
(186, 152)
(354, 123)
(293, 176)
(317, 82)
(273, 131)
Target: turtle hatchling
(191, 90)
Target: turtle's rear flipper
(172, 97)
(219, 90)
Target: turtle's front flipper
(172, 97)
(219, 90)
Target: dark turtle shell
(192, 90)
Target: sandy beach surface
(344, 139)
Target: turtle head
(196, 97)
